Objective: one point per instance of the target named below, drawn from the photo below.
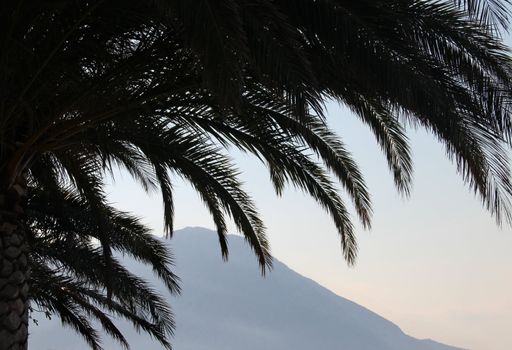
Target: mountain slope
(228, 306)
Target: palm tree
(163, 88)
(72, 278)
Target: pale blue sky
(436, 264)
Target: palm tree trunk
(13, 271)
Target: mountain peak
(228, 306)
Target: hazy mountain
(228, 306)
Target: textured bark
(13, 271)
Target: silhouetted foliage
(72, 277)
(163, 88)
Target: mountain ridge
(227, 306)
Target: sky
(436, 263)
